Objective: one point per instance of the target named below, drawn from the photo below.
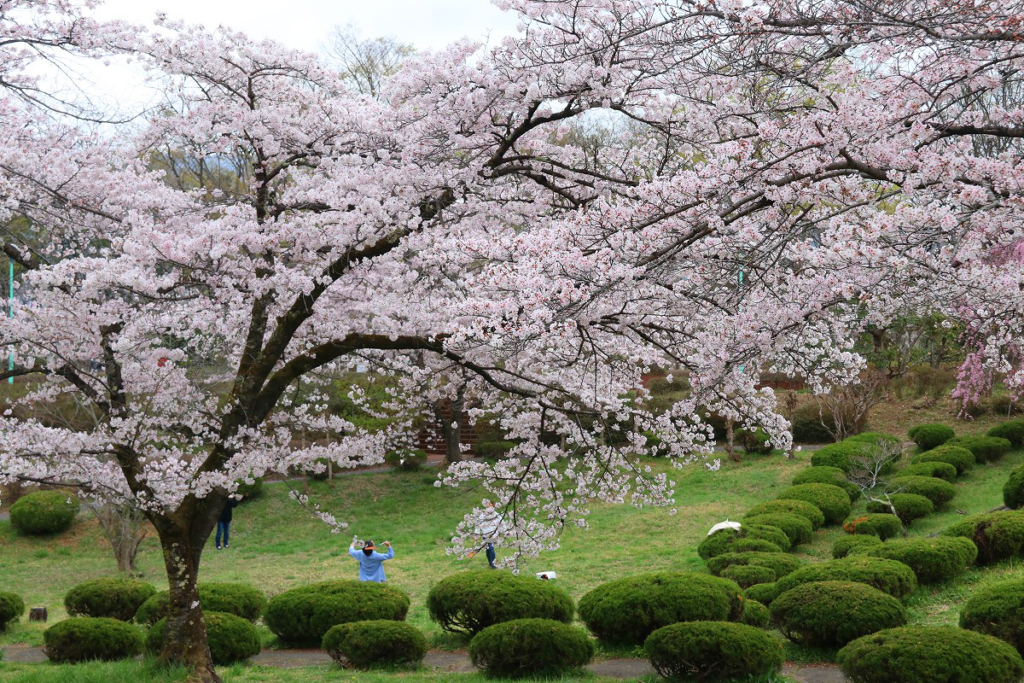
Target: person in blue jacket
(371, 563)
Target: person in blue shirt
(371, 563)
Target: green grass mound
(847, 544)
(469, 602)
(909, 506)
(832, 613)
(231, 598)
(1013, 489)
(933, 560)
(780, 563)
(983, 448)
(723, 540)
(755, 614)
(960, 458)
(530, 647)
(940, 470)
(930, 654)
(747, 575)
(44, 512)
(798, 529)
(827, 475)
(997, 610)
(712, 651)
(845, 455)
(368, 644)
(114, 598)
(939, 492)
(11, 608)
(303, 615)
(931, 435)
(881, 524)
(888, 576)
(1012, 431)
(763, 593)
(997, 535)
(628, 610)
(831, 500)
(231, 638)
(82, 639)
(808, 511)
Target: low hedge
(380, 642)
(628, 610)
(780, 563)
(882, 524)
(933, 559)
(82, 639)
(877, 439)
(939, 470)
(997, 535)
(494, 449)
(832, 613)
(747, 575)
(469, 602)
(763, 593)
(722, 541)
(833, 501)
(960, 458)
(712, 651)
(1013, 489)
(798, 529)
(909, 506)
(888, 576)
(11, 608)
(1012, 431)
(930, 435)
(845, 455)
(406, 459)
(231, 638)
(847, 544)
(997, 610)
(530, 647)
(231, 598)
(755, 614)
(983, 448)
(827, 475)
(807, 510)
(114, 598)
(303, 615)
(41, 513)
(939, 492)
(930, 654)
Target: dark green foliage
(747, 575)
(931, 435)
(1012, 431)
(406, 459)
(723, 540)
(847, 544)
(798, 529)
(1013, 489)
(471, 601)
(530, 647)
(876, 439)
(939, 470)
(833, 501)
(754, 442)
(909, 506)
(494, 449)
(710, 651)
(882, 524)
(997, 610)
(832, 613)
(933, 559)
(827, 475)
(763, 593)
(231, 598)
(366, 644)
(755, 614)
(930, 654)
(250, 491)
(845, 455)
(629, 609)
(983, 448)
(998, 535)
(807, 427)
(780, 563)
(231, 638)
(44, 512)
(939, 492)
(888, 576)
(114, 598)
(303, 615)
(960, 458)
(11, 608)
(82, 639)
(808, 511)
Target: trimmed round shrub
(960, 458)
(939, 470)
(230, 598)
(807, 426)
(366, 644)
(983, 448)
(530, 647)
(231, 638)
(82, 639)
(933, 559)
(832, 613)
(845, 455)
(833, 501)
(909, 506)
(847, 544)
(997, 610)
(494, 450)
(303, 615)
(712, 651)
(807, 510)
(747, 575)
(780, 563)
(723, 540)
(755, 442)
(406, 459)
(11, 608)
(114, 598)
(877, 439)
(827, 475)
(1012, 431)
(755, 614)
(930, 435)
(469, 602)
(798, 529)
(939, 492)
(997, 535)
(44, 512)
(630, 609)
(888, 576)
(882, 524)
(1013, 489)
(930, 654)
(763, 593)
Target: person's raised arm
(352, 551)
(391, 551)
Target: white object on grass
(547, 575)
(724, 525)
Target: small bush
(931, 435)
(469, 602)
(763, 593)
(933, 559)
(845, 455)
(884, 525)
(831, 500)
(843, 546)
(366, 644)
(82, 639)
(231, 598)
(406, 459)
(983, 448)
(939, 470)
(11, 608)
(747, 575)
(909, 506)
(494, 450)
(960, 458)
(712, 651)
(723, 540)
(303, 615)
(807, 510)
(832, 613)
(878, 440)
(755, 614)
(827, 475)
(1012, 431)
(1013, 490)
(630, 609)
(807, 426)
(44, 512)
(798, 529)
(997, 610)
(530, 647)
(780, 563)
(939, 492)
(250, 491)
(754, 442)
(997, 535)
(930, 654)
(113, 598)
(231, 638)
(888, 576)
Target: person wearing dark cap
(224, 521)
(371, 563)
